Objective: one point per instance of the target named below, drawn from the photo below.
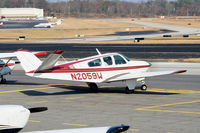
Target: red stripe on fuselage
(7, 65)
(62, 70)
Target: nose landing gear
(143, 86)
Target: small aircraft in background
(1, 24)
(7, 65)
(13, 118)
(102, 68)
(48, 25)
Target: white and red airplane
(1, 24)
(13, 118)
(7, 65)
(102, 68)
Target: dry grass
(89, 28)
(90, 23)
(193, 60)
(149, 42)
(69, 29)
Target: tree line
(110, 8)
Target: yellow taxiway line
(73, 98)
(70, 124)
(36, 102)
(26, 90)
(172, 90)
(134, 130)
(151, 108)
(33, 121)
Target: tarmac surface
(21, 24)
(170, 105)
(147, 51)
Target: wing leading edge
(129, 76)
(114, 129)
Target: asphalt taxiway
(170, 105)
(21, 24)
(147, 51)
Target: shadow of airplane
(73, 90)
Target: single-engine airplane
(7, 65)
(102, 68)
(13, 118)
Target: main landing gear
(93, 87)
(3, 81)
(131, 89)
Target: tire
(93, 87)
(143, 87)
(128, 91)
(3, 81)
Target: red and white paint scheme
(102, 68)
(7, 65)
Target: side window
(107, 60)
(94, 63)
(119, 60)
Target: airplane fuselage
(85, 70)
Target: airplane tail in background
(29, 61)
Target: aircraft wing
(13, 55)
(128, 76)
(115, 129)
(50, 61)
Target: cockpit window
(94, 63)
(107, 61)
(119, 60)
(126, 57)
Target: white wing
(128, 76)
(116, 129)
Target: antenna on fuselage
(98, 51)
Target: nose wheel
(143, 86)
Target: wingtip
(118, 129)
(41, 53)
(180, 71)
(22, 49)
(58, 52)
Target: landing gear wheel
(93, 87)
(143, 87)
(128, 91)
(3, 81)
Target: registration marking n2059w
(86, 76)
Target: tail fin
(29, 61)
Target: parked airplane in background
(13, 118)
(7, 65)
(43, 25)
(48, 25)
(102, 68)
(1, 24)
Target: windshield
(126, 57)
